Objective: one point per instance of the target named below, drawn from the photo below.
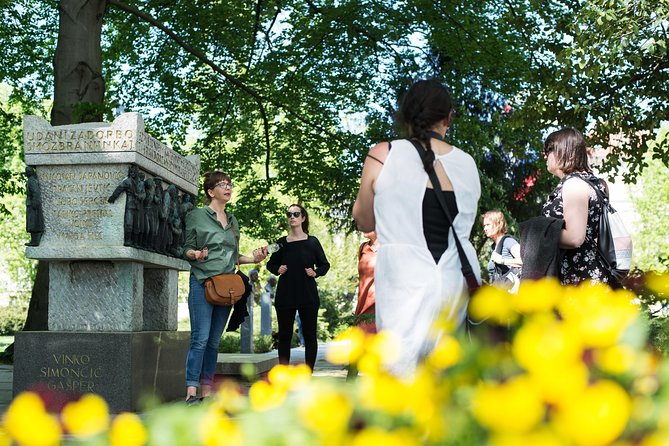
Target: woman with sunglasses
(299, 261)
(211, 247)
(418, 272)
(575, 201)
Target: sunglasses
(293, 214)
(548, 150)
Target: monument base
(125, 368)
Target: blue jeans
(207, 323)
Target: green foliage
(12, 318)
(230, 343)
(18, 272)
(651, 243)
(263, 344)
(332, 316)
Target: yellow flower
(600, 314)
(494, 304)
(219, 430)
(5, 439)
(383, 392)
(87, 417)
(229, 398)
(326, 412)
(596, 417)
(559, 384)
(544, 343)
(660, 438)
(446, 353)
(347, 347)
(377, 436)
(264, 396)
(513, 406)
(288, 377)
(658, 283)
(27, 422)
(127, 430)
(535, 296)
(383, 347)
(616, 360)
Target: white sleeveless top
(411, 290)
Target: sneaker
(193, 400)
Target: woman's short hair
(497, 220)
(570, 151)
(211, 179)
(305, 214)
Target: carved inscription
(78, 200)
(61, 141)
(71, 373)
(68, 141)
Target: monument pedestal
(125, 368)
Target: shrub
(12, 319)
(263, 344)
(230, 343)
(334, 308)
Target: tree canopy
(288, 96)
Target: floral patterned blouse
(582, 263)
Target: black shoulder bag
(467, 271)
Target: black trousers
(286, 320)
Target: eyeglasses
(548, 150)
(293, 214)
(225, 185)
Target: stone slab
(96, 296)
(123, 141)
(230, 364)
(124, 368)
(161, 288)
(112, 253)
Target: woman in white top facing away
(418, 271)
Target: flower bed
(550, 366)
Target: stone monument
(113, 287)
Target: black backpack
(614, 242)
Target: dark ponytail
(424, 104)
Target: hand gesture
(497, 258)
(283, 269)
(202, 254)
(310, 272)
(259, 254)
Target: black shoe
(193, 400)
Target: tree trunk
(78, 97)
(78, 84)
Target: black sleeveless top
(436, 226)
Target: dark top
(539, 239)
(436, 226)
(295, 289)
(584, 262)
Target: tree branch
(259, 98)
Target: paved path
(322, 369)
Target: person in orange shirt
(366, 302)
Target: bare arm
(363, 208)
(575, 197)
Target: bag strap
(500, 246)
(465, 266)
(232, 228)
